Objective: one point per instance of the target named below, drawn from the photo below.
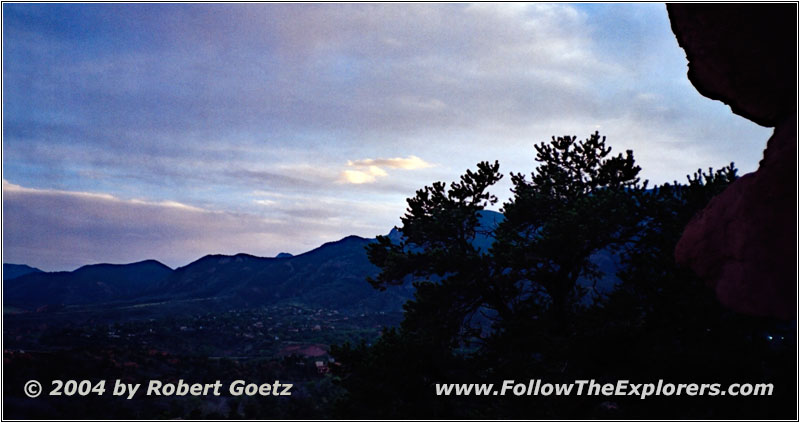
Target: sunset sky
(171, 131)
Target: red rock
(741, 54)
(743, 243)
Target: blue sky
(171, 131)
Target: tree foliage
(528, 306)
(579, 200)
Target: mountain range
(333, 276)
(11, 271)
(88, 284)
(330, 276)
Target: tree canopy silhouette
(528, 306)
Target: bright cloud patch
(369, 170)
(369, 175)
(409, 163)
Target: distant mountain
(89, 284)
(487, 222)
(11, 271)
(608, 262)
(332, 276)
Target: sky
(172, 131)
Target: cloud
(62, 230)
(134, 92)
(371, 174)
(408, 163)
(367, 171)
(133, 102)
(257, 69)
(262, 177)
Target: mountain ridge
(12, 271)
(87, 284)
(332, 275)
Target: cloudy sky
(169, 132)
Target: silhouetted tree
(579, 201)
(438, 251)
(527, 306)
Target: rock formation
(743, 243)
